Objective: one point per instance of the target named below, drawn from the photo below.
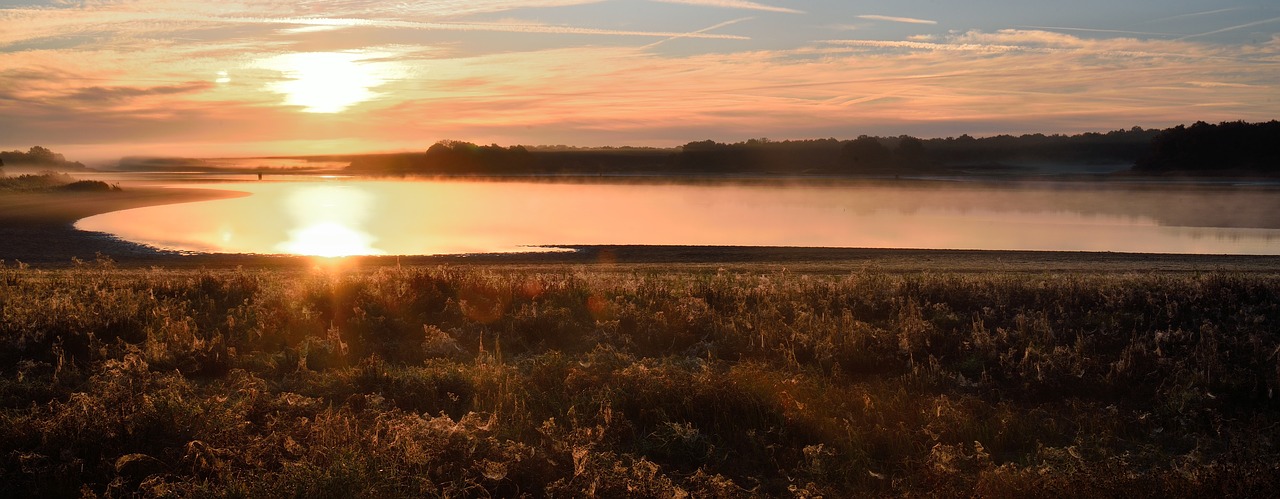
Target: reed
(483, 381)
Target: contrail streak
(1232, 28)
(1194, 14)
(703, 30)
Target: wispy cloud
(192, 75)
(26, 28)
(1048, 42)
(1215, 84)
(735, 4)
(930, 46)
(895, 19)
(1015, 79)
(1094, 30)
(102, 95)
(1031, 84)
(490, 27)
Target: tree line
(1226, 148)
(1201, 147)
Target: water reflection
(328, 221)
(452, 217)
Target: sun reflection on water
(337, 218)
(329, 222)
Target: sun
(328, 82)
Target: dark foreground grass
(457, 381)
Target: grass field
(573, 381)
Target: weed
(474, 381)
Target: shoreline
(47, 208)
(38, 229)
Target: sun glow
(328, 223)
(328, 240)
(329, 82)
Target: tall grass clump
(483, 381)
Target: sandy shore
(37, 229)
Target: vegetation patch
(470, 381)
(90, 186)
(52, 181)
(35, 182)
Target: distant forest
(1201, 149)
(38, 156)
(1226, 148)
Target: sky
(97, 79)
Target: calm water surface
(349, 217)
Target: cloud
(908, 20)
(142, 72)
(490, 27)
(952, 80)
(1042, 84)
(87, 3)
(1000, 82)
(1213, 84)
(437, 9)
(1092, 30)
(735, 4)
(106, 95)
(147, 23)
(929, 46)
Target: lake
(365, 217)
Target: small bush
(90, 186)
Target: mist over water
(335, 218)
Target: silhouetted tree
(864, 153)
(453, 156)
(910, 152)
(1235, 146)
(40, 156)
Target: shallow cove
(364, 217)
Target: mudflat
(37, 227)
(48, 208)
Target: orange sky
(102, 79)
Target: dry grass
(461, 381)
